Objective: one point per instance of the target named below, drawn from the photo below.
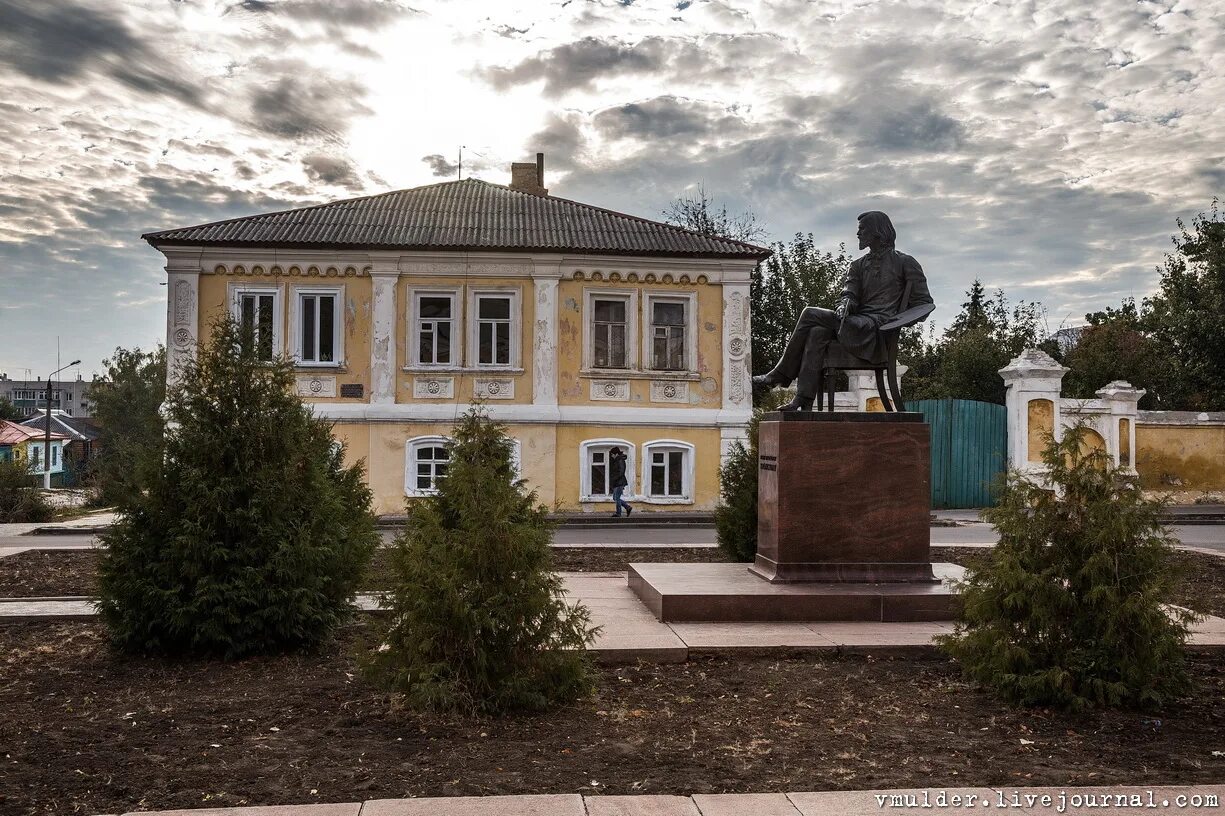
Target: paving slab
(749, 635)
(565, 804)
(745, 804)
(346, 809)
(640, 806)
(39, 609)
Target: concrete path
(1033, 801)
(1204, 537)
(629, 632)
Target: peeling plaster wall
(214, 298)
(574, 387)
(1181, 457)
(463, 381)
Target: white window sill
(460, 370)
(665, 500)
(626, 497)
(300, 366)
(638, 374)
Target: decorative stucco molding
(314, 385)
(610, 390)
(433, 387)
(500, 388)
(669, 391)
(737, 365)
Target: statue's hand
(841, 309)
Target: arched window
(425, 462)
(667, 471)
(595, 472)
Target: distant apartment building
(30, 396)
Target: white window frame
(631, 327)
(474, 327)
(338, 325)
(687, 473)
(457, 320)
(237, 290)
(410, 462)
(584, 465)
(690, 301)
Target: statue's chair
(837, 358)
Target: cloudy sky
(1044, 147)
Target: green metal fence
(969, 450)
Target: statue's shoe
(764, 382)
(797, 404)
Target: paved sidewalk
(630, 632)
(1184, 799)
(100, 518)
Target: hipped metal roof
(460, 215)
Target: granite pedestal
(843, 531)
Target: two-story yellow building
(580, 328)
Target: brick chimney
(527, 177)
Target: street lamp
(47, 438)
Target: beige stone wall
(1181, 457)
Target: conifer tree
(479, 622)
(253, 536)
(1070, 610)
(736, 513)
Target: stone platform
(730, 592)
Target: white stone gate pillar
(1123, 399)
(1034, 381)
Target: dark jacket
(874, 287)
(616, 470)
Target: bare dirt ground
(88, 731)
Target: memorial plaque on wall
(355, 390)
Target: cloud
(369, 14)
(298, 103)
(61, 42)
(578, 64)
(440, 166)
(339, 172)
(666, 117)
(561, 140)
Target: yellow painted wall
(1181, 456)
(464, 380)
(1041, 425)
(214, 300)
(549, 459)
(575, 389)
(706, 444)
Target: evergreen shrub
(21, 499)
(253, 535)
(1071, 610)
(479, 622)
(736, 513)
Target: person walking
(616, 472)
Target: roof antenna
(460, 166)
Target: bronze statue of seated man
(876, 286)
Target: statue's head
(876, 230)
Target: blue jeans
(618, 502)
